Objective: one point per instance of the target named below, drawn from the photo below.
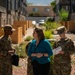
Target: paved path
(29, 32)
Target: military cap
(8, 27)
(61, 29)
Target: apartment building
(68, 5)
(11, 10)
(40, 11)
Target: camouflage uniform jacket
(62, 62)
(5, 58)
(67, 46)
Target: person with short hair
(5, 51)
(40, 51)
(62, 61)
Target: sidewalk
(29, 32)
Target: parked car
(41, 22)
(33, 22)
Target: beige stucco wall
(41, 10)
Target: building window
(35, 9)
(46, 9)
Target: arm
(5, 47)
(71, 47)
(30, 53)
(48, 48)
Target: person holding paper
(62, 60)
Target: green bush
(51, 25)
(48, 34)
(34, 14)
(28, 38)
(20, 50)
(63, 15)
(31, 14)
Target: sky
(40, 2)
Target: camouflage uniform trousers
(29, 67)
(62, 69)
(5, 66)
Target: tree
(53, 4)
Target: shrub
(51, 25)
(34, 14)
(63, 15)
(48, 34)
(20, 50)
(28, 38)
(31, 14)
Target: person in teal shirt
(40, 51)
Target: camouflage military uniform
(29, 65)
(62, 63)
(5, 58)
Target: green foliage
(63, 15)
(28, 38)
(51, 25)
(48, 34)
(53, 4)
(34, 14)
(31, 14)
(20, 50)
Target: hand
(33, 54)
(61, 52)
(45, 54)
(39, 55)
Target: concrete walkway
(29, 32)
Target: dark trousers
(40, 69)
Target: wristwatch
(43, 55)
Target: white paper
(57, 50)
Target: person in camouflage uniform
(29, 65)
(5, 54)
(62, 61)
